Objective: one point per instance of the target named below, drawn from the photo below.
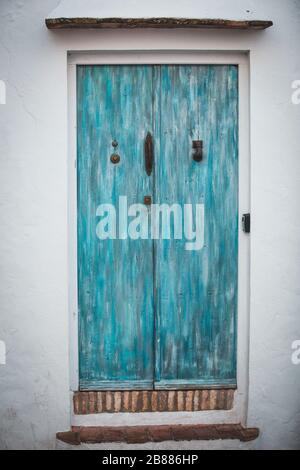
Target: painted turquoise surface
(115, 276)
(150, 312)
(196, 291)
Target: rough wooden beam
(131, 23)
(142, 434)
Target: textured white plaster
(34, 385)
(136, 8)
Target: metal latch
(246, 222)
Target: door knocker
(115, 158)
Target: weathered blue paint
(196, 291)
(152, 313)
(115, 276)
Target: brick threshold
(143, 434)
(150, 401)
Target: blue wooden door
(152, 312)
(115, 276)
(196, 291)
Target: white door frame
(239, 412)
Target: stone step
(154, 434)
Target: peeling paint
(34, 193)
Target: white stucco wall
(34, 383)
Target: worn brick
(136, 434)
(206, 433)
(154, 401)
(126, 401)
(183, 433)
(149, 401)
(230, 399)
(92, 402)
(220, 400)
(160, 433)
(109, 402)
(92, 435)
(205, 400)
(99, 402)
(76, 404)
(249, 434)
(83, 404)
(145, 404)
(189, 397)
(171, 400)
(213, 399)
(197, 400)
(163, 401)
(114, 435)
(70, 437)
(140, 434)
(134, 403)
(228, 431)
(118, 402)
(180, 401)
(102, 434)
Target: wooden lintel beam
(132, 23)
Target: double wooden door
(152, 313)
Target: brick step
(143, 434)
(151, 401)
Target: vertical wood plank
(115, 276)
(197, 290)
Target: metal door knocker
(115, 158)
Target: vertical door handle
(198, 150)
(149, 154)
